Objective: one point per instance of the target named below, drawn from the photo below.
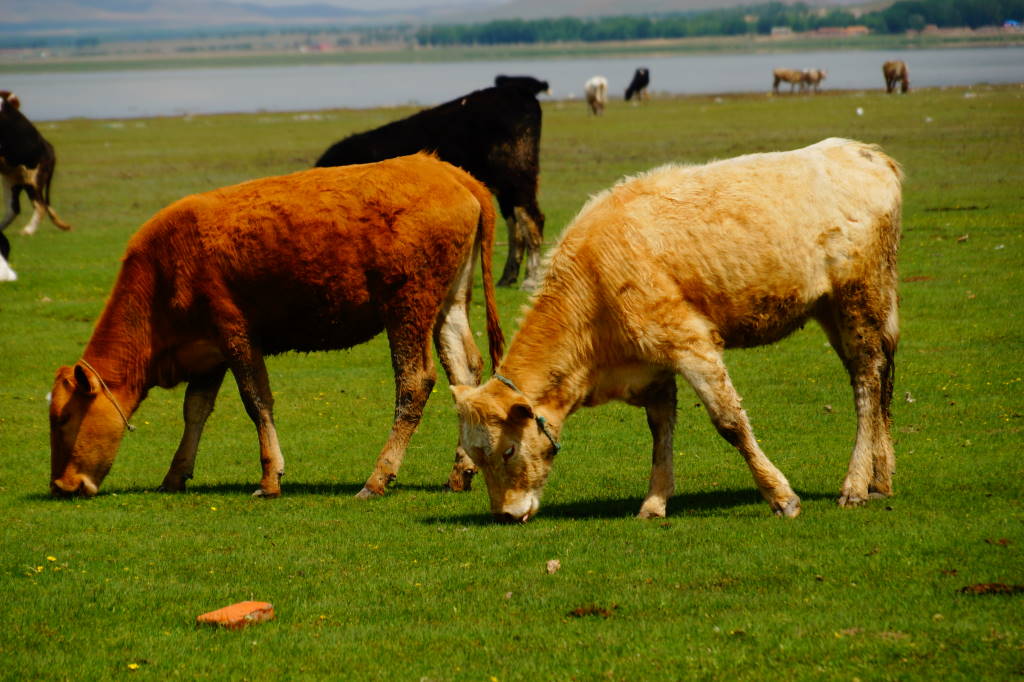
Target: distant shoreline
(167, 55)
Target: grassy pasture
(420, 584)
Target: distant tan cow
(319, 260)
(895, 71)
(660, 274)
(812, 78)
(596, 92)
(794, 77)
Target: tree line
(757, 19)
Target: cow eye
(508, 453)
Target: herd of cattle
(654, 278)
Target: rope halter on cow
(110, 396)
(542, 423)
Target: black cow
(534, 86)
(494, 134)
(26, 163)
(638, 86)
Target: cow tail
(45, 192)
(485, 236)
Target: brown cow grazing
(661, 273)
(318, 260)
(812, 79)
(794, 77)
(27, 162)
(895, 71)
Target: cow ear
(520, 412)
(85, 381)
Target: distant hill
(82, 16)
(76, 17)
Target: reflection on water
(130, 94)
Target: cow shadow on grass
(292, 489)
(705, 503)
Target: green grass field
(421, 584)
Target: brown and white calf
(895, 71)
(660, 274)
(319, 260)
(27, 162)
(812, 78)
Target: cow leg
(516, 246)
(703, 367)
(460, 359)
(659, 400)
(531, 225)
(414, 379)
(199, 399)
(6, 273)
(10, 203)
(37, 214)
(250, 371)
(865, 339)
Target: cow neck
(549, 357)
(121, 346)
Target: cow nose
(505, 517)
(59, 488)
(84, 487)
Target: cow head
(9, 101)
(86, 428)
(510, 443)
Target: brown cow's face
(85, 432)
(500, 432)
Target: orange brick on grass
(238, 616)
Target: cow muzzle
(78, 485)
(520, 510)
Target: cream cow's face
(500, 432)
(85, 432)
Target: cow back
(316, 260)
(482, 133)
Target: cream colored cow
(596, 91)
(795, 78)
(658, 275)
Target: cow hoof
(654, 510)
(263, 494)
(791, 509)
(849, 501)
(877, 494)
(367, 494)
(459, 482)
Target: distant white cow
(596, 90)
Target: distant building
(842, 31)
(781, 31)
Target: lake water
(143, 93)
